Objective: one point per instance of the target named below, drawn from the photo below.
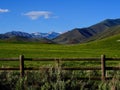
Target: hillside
(19, 39)
(80, 35)
(115, 30)
(109, 43)
(74, 36)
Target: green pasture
(110, 47)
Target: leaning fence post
(21, 58)
(103, 67)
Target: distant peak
(37, 35)
(112, 19)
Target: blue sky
(54, 15)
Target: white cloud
(37, 14)
(3, 10)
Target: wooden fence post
(21, 58)
(58, 63)
(103, 70)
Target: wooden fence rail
(102, 60)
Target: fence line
(102, 59)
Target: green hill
(107, 43)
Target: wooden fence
(102, 59)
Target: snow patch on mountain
(49, 35)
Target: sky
(54, 15)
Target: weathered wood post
(58, 63)
(103, 70)
(21, 58)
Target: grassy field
(109, 47)
(43, 80)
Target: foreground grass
(56, 79)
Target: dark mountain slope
(75, 36)
(105, 25)
(107, 33)
(85, 34)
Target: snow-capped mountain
(49, 35)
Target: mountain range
(16, 36)
(103, 29)
(106, 28)
(49, 35)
